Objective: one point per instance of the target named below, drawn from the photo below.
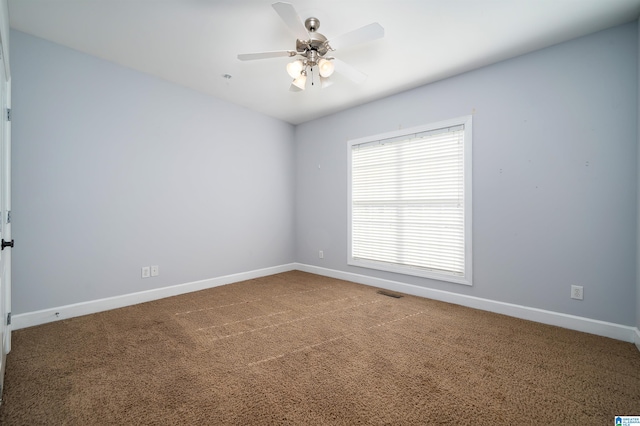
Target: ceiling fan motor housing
(316, 42)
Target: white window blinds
(408, 202)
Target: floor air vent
(390, 294)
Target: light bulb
(295, 68)
(326, 67)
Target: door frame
(5, 191)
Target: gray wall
(554, 175)
(114, 170)
(638, 197)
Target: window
(410, 201)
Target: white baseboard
(587, 325)
(44, 316)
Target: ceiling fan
(312, 49)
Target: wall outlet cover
(577, 292)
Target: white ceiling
(195, 42)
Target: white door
(5, 222)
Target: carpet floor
(301, 349)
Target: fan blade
(361, 35)
(266, 55)
(290, 17)
(349, 71)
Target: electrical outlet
(321, 254)
(155, 271)
(146, 272)
(577, 292)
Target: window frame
(466, 278)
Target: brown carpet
(297, 348)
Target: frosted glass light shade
(295, 68)
(326, 67)
(301, 81)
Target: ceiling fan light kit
(312, 47)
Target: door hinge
(8, 114)
(9, 318)
(9, 216)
